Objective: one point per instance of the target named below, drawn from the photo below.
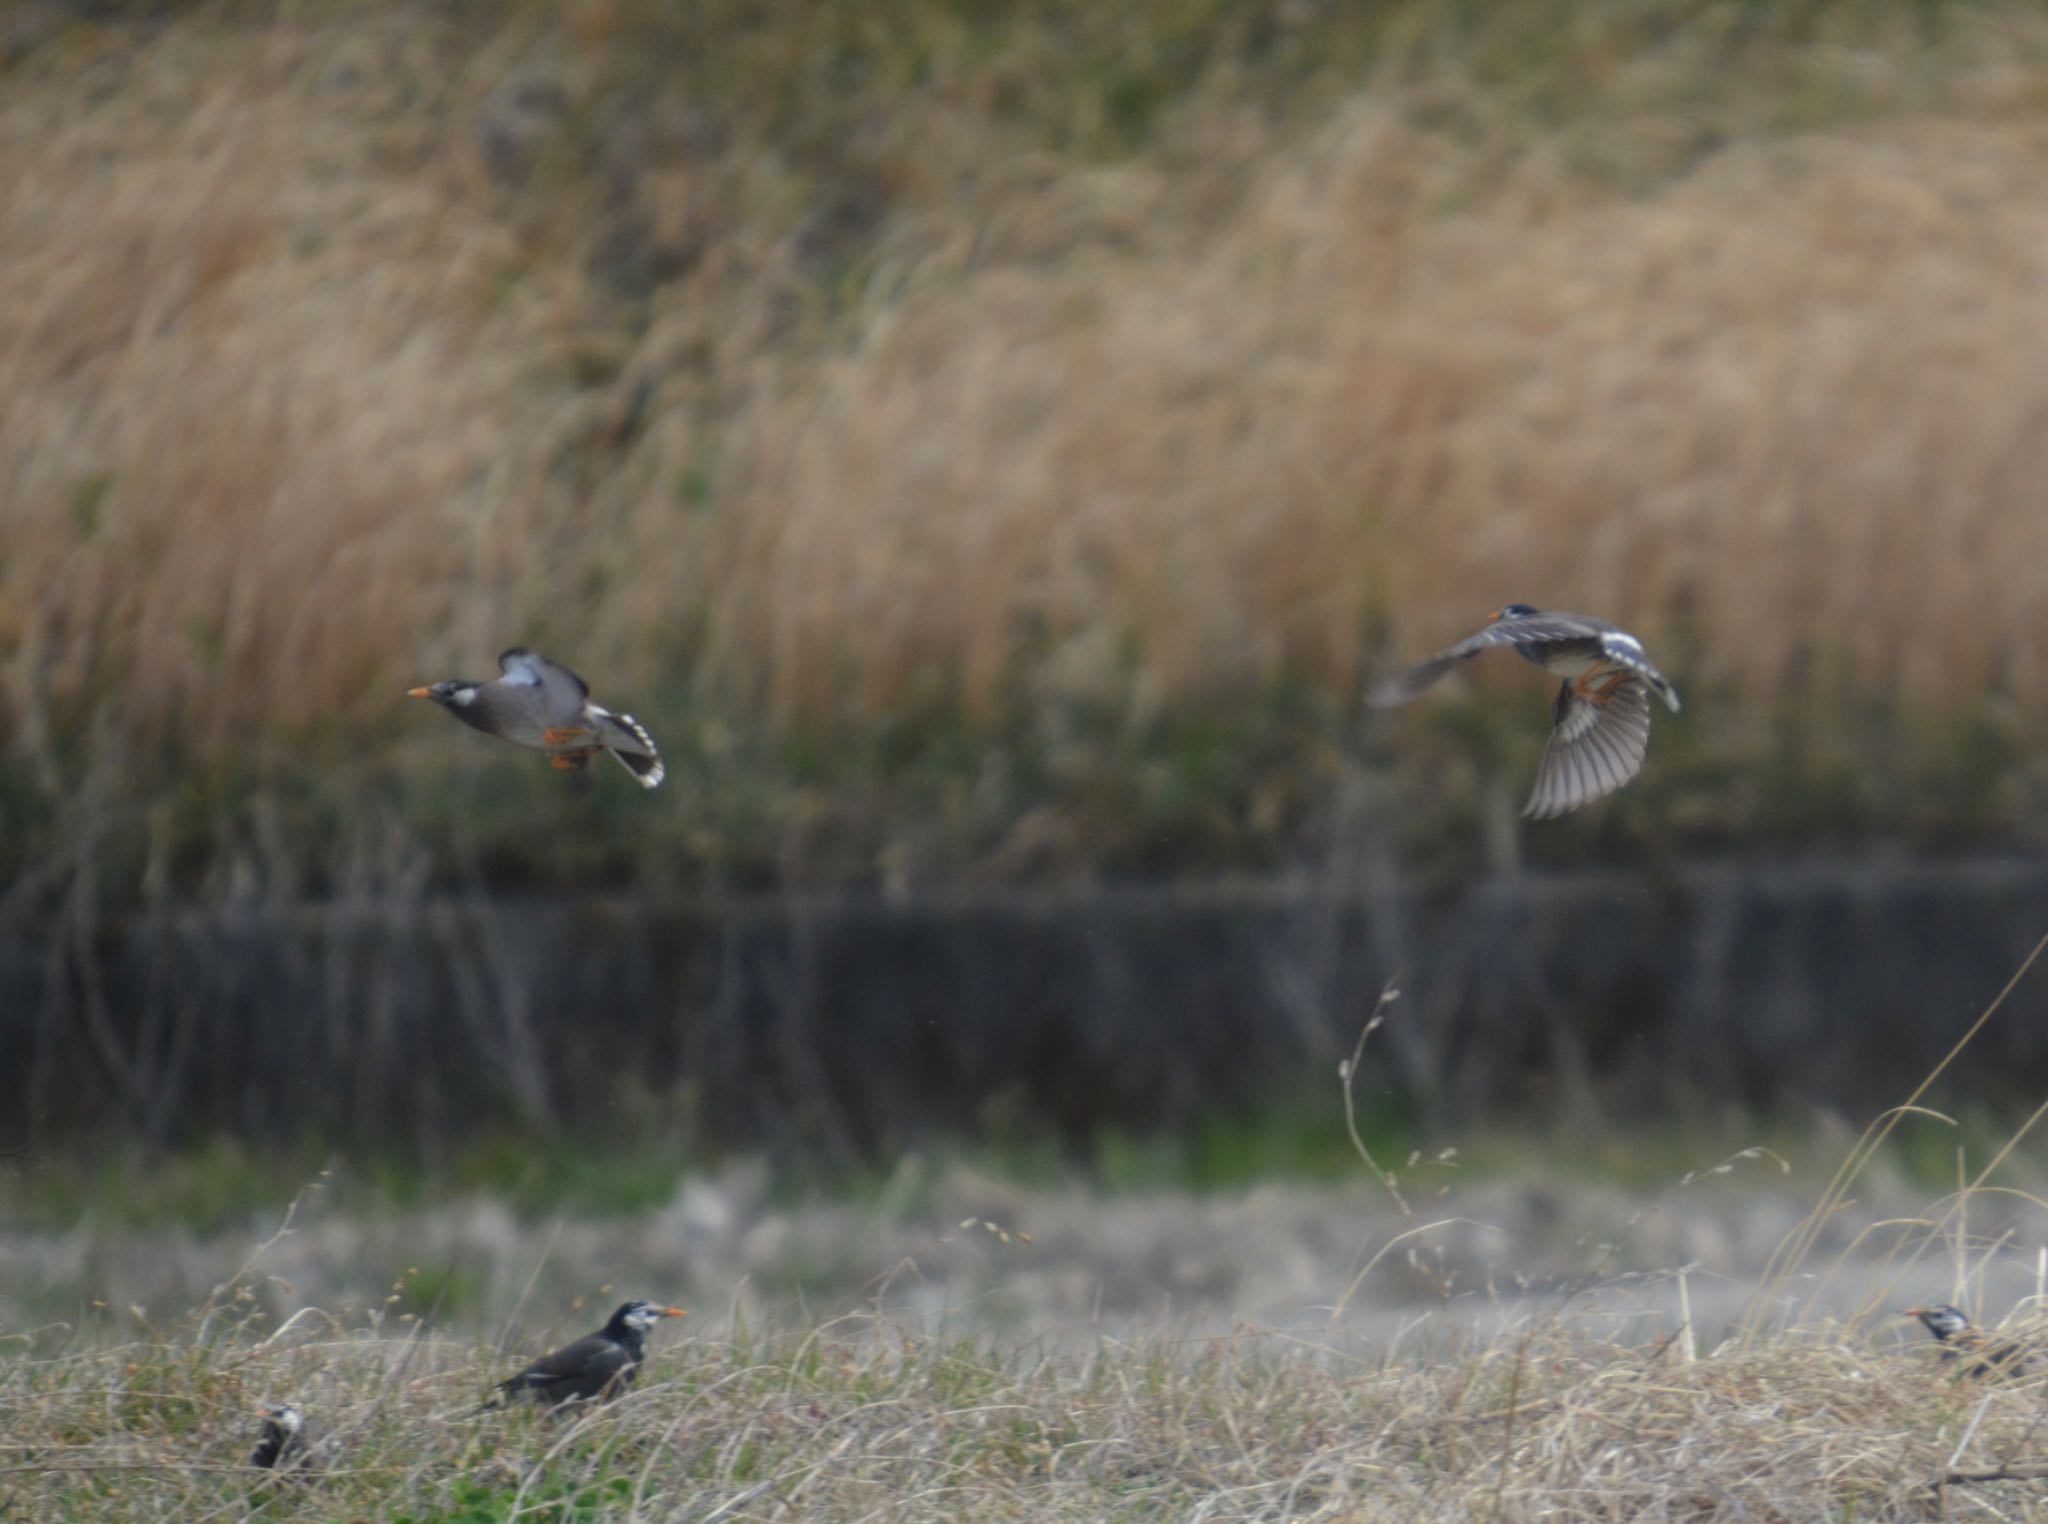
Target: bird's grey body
(541, 704)
(1600, 723)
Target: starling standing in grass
(1600, 724)
(1959, 1339)
(283, 1444)
(538, 703)
(601, 1365)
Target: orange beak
(419, 693)
(1494, 617)
(675, 1312)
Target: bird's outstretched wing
(561, 692)
(1532, 629)
(1593, 748)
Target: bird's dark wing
(1550, 627)
(582, 1369)
(1532, 629)
(282, 1449)
(1988, 1355)
(270, 1447)
(1593, 748)
(561, 691)
(522, 659)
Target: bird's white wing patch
(520, 667)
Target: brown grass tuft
(256, 444)
(856, 1419)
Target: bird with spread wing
(1600, 722)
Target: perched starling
(1982, 1354)
(283, 1443)
(538, 703)
(1600, 724)
(601, 1365)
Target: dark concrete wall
(854, 1022)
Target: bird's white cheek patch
(463, 696)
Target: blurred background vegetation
(990, 444)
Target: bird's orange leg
(561, 735)
(1596, 685)
(570, 761)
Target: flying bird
(1600, 724)
(600, 1365)
(542, 704)
(1959, 1339)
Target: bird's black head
(1512, 611)
(458, 693)
(637, 1317)
(1942, 1320)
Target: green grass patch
(220, 1184)
(1243, 783)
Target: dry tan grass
(1535, 1408)
(857, 1419)
(298, 403)
(1773, 414)
(264, 436)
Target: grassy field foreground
(1726, 1348)
(860, 1418)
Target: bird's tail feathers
(638, 754)
(649, 771)
(1654, 680)
(1661, 686)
